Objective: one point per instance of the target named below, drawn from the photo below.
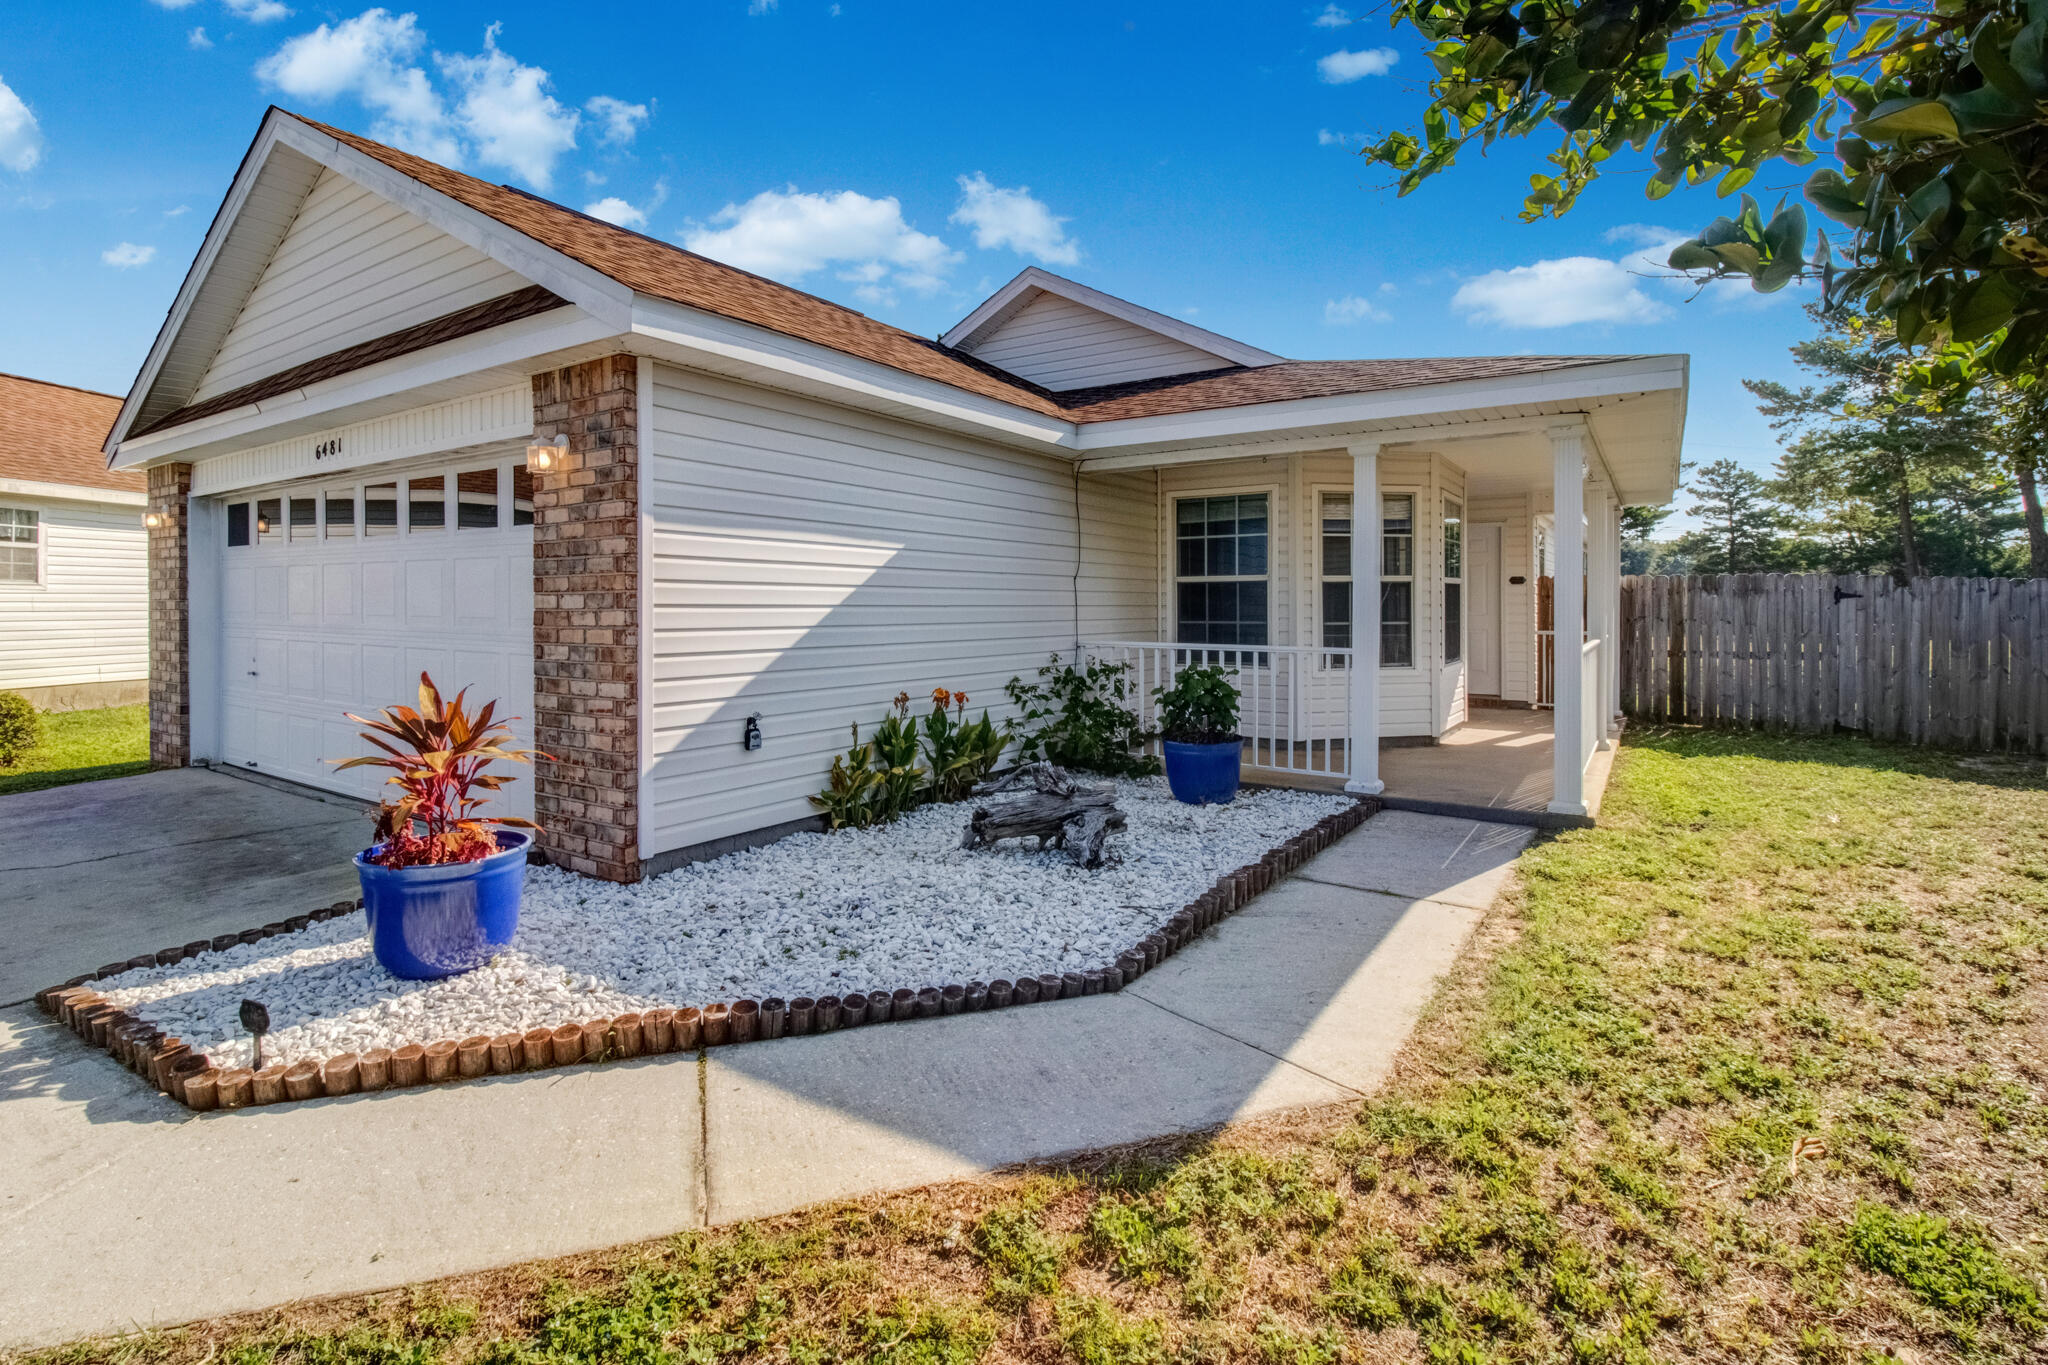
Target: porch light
(545, 456)
(155, 521)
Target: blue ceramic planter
(1203, 774)
(428, 922)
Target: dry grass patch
(1754, 1072)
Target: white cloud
(21, 137)
(758, 7)
(1012, 218)
(618, 120)
(258, 11)
(1326, 138)
(178, 212)
(615, 210)
(506, 109)
(174, 4)
(197, 39)
(1343, 67)
(369, 57)
(127, 255)
(1333, 17)
(787, 234)
(1352, 309)
(1559, 293)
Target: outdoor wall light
(262, 524)
(155, 520)
(546, 456)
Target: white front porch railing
(1294, 702)
(1592, 725)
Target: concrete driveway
(101, 871)
(1302, 999)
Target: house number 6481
(326, 448)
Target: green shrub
(1200, 707)
(1076, 717)
(21, 728)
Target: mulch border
(171, 1066)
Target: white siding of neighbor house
(1517, 601)
(1061, 344)
(353, 266)
(88, 620)
(807, 563)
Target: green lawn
(83, 746)
(1755, 1071)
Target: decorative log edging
(170, 1065)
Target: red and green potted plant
(441, 883)
(1198, 730)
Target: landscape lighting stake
(256, 1019)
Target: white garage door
(337, 594)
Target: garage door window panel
(522, 496)
(238, 524)
(426, 503)
(341, 513)
(303, 514)
(380, 509)
(269, 521)
(476, 500)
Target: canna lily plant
(438, 755)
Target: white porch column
(1362, 751)
(1568, 503)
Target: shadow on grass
(14, 783)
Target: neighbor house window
(1397, 580)
(1220, 576)
(1334, 572)
(20, 558)
(1454, 580)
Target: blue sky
(903, 158)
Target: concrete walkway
(119, 1209)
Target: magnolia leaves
(1769, 253)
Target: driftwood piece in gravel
(1050, 806)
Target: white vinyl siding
(807, 563)
(1517, 600)
(1061, 344)
(1118, 555)
(354, 266)
(87, 621)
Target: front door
(1482, 598)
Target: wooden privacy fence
(1957, 662)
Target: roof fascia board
(962, 334)
(589, 289)
(1577, 384)
(692, 332)
(195, 278)
(71, 492)
(1443, 433)
(514, 344)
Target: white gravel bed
(812, 914)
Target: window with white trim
(1220, 570)
(1397, 576)
(20, 546)
(1454, 580)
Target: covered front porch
(1449, 697)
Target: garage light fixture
(546, 456)
(262, 523)
(156, 521)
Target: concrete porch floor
(1496, 766)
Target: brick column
(586, 619)
(170, 633)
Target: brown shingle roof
(51, 433)
(662, 270)
(1241, 386)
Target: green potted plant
(1198, 727)
(441, 883)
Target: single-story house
(399, 419)
(74, 588)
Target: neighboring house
(402, 419)
(74, 584)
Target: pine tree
(1741, 525)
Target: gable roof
(661, 270)
(1032, 283)
(51, 433)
